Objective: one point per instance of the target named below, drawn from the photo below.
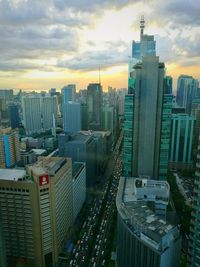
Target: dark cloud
(94, 5)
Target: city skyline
(48, 44)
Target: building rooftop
(135, 211)
(46, 165)
(39, 152)
(12, 174)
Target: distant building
(38, 111)
(6, 97)
(72, 117)
(6, 94)
(14, 116)
(84, 119)
(144, 239)
(36, 211)
(31, 114)
(68, 93)
(94, 106)
(108, 119)
(27, 157)
(9, 148)
(79, 187)
(182, 134)
(187, 90)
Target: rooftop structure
(48, 165)
(140, 227)
(12, 174)
(139, 189)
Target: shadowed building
(94, 106)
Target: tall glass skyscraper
(187, 90)
(147, 113)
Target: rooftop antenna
(142, 26)
(99, 75)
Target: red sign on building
(44, 179)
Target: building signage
(43, 180)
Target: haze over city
(48, 44)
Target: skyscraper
(9, 148)
(36, 211)
(94, 106)
(187, 90)
(147, 116)
(72, 117)
(68, 93)
(182, 133)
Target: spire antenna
(99, 74)
(142, 26)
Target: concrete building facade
(36, 211)
(38, 112)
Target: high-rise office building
(72, 117)
(147, 117)
(31, 113)
(9, 148)
(194, 241)
(38, 111)
(36, 211)
(182, 133)
(187, 90)
(94, 106)
(48, 110)
(144, 238)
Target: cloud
(47, 34)
(115, 53)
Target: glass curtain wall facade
(194, 244)
(165, 128)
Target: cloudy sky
(50, 43)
